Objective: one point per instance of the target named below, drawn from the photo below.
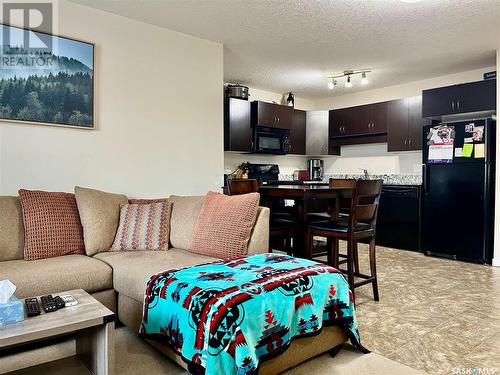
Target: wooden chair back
(344, 196)
(365, 201)
(243, 186)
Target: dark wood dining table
(301, 195)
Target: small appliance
(271, 140)
(237, 91)
(315, 167)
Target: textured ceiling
(283, 45)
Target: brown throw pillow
(225, 225)
(100, 214)
(51, 224)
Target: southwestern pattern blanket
(228, 316)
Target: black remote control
(59, 302)
(48, 303)
(32, 307)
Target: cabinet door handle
(458, 104)
(409, 143)
(406, 143)
(278, 119)
(453, 105)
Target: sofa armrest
(259, 239)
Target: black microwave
(271, 140)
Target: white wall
(403, 90)
(269, 96)
(496, 255)
(159, 116)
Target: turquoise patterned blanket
(228, 316)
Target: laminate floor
(436, 315)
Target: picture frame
(40, 87)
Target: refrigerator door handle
(424, 178)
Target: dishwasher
(398, 220)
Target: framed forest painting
(49, 86)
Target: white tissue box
(12, 311)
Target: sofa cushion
(99, 213)
(52, 275)
(185, 212)
(225, 224)
(51, 224)
(131, 270)
(143, 227)
(11, 229)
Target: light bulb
(364, 80)
(332, 83)
(348, 83)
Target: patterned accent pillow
(52, 224)
(143, 227)
(225, 225)
(146, 201)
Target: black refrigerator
(458, 190)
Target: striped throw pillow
(143, 227)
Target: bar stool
(282, 230)
(243, 186)
(360, 224)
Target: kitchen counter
(389, 179)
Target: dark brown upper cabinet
(365, 120)
(298, 133)
(405, 123)
(271, 115)
(237, 125)
(458, 99)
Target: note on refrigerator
(467, 150)
(479, 150)
(458, 152)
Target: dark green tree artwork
(49, 87)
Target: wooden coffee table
(92, 322)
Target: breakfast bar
(302, 195)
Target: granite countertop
(389, 179)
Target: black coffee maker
(315, 167)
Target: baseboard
(495, 262)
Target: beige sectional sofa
(117, 279)
(106, 275)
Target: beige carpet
(134, 356)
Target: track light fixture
(364, 80)
(332, 80)
(348, 82)
(332, 83)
